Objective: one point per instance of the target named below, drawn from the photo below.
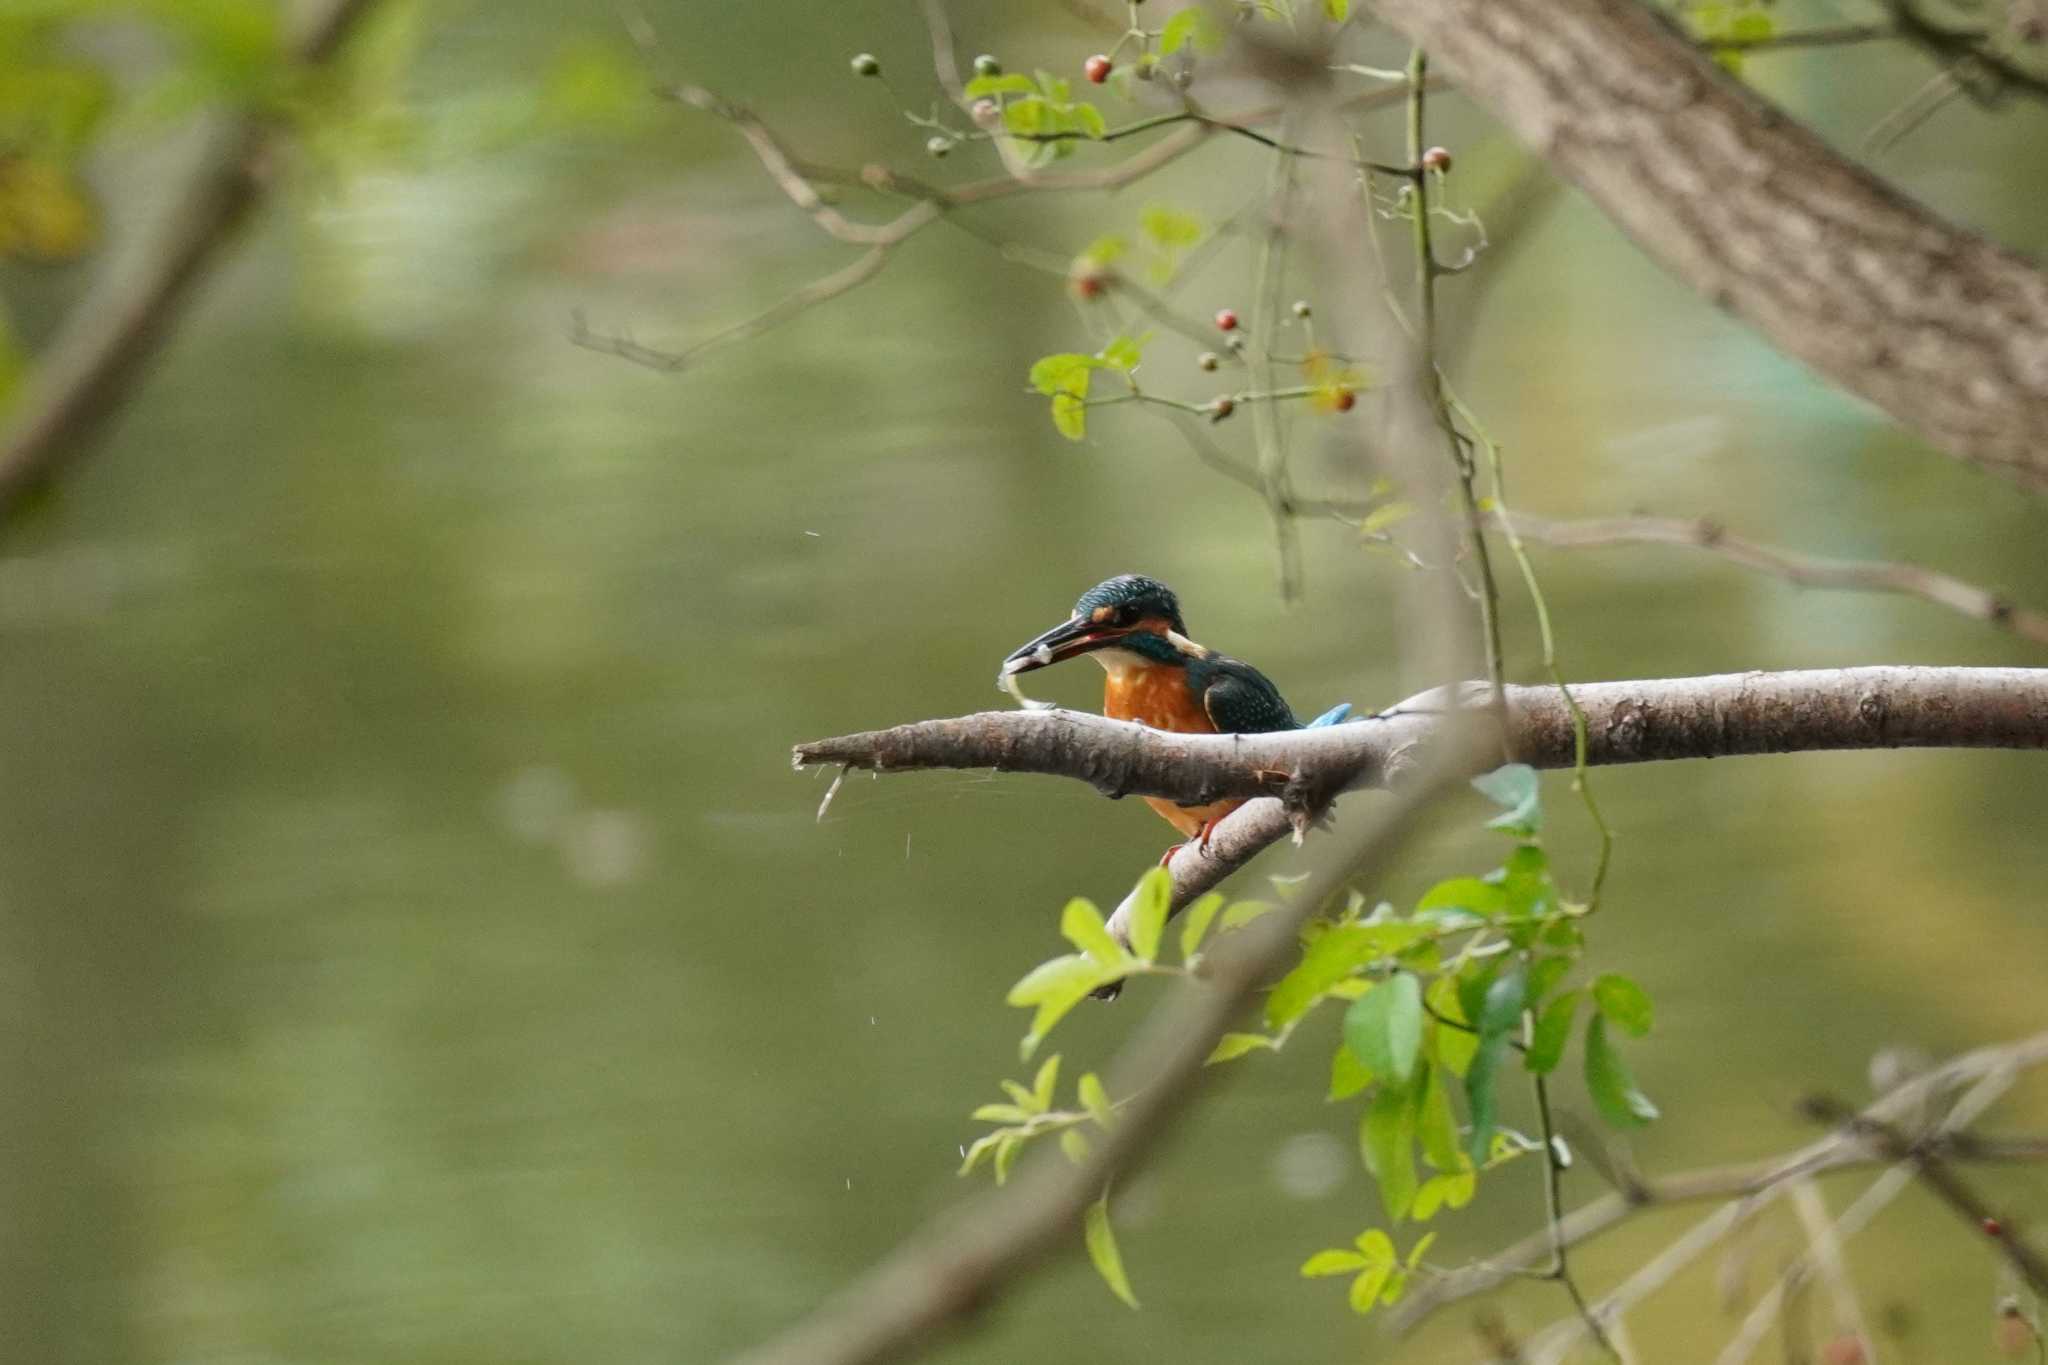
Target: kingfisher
(1159, 677)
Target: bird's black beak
(1063, 641)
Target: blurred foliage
(1439, 999)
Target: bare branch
(1941, 328)
(118, 328)
(1812, 571)
(1627, 722)
(1753, 1185)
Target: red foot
(1200, 841)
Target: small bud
(1208, 360)
(938, 146)
(985, 65)
(1097, 68)
(1234, 342)
(986, 113)
(1087, 279)
(1846, 1349)
(1346, 400)
(1147, 67)
(1993, 1228)
(1436, 159)
(867, 64)
(1301, 308)
(1221, 409)
(1226, 320)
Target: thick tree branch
(1942, 329)
(1882, 707)
(122, 322)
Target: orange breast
(1159, 697)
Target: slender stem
(1553, 1214)
(1581, 783)
(1426, 271)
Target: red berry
(1097, 68)
(1993, 1228)
(1436, 159)
(1226, 320)
(1221, 409)
(1087, 281)
(1346, 400)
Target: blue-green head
(1130, 610)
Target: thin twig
(1814, 571)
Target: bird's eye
(1127, 615)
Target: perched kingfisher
(1159, 677)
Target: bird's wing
(1242, 701)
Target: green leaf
(1365, 1290)
(982, 1147)
(1231, 1046)
(1481, 1094)
(1607, 1077)
(1023, 1097)
(1514, 786)
(1008, 84)
(1055, 987)
(1000, 1113)
(1148, 912)
(1624, 1002)
(1081, 925)
(1069, 416)
(1336, 11)
(1336, 1261)
(1191, 25)
(1008, 1147)
(1752, 25)
(1544, 974)
(1454, 1046)
(1089, 119)
(1502, 1009)
(1464, 893)
(1122, 353)
(1526, 880)
(1095, 1099)
(1171, 228)
(1384, 1027)
(1043, 1083)
(1419, 1250)
(1436, 1127)
(1450, 1190)
(1074, 1144)
(1333, 956)
(1553, 1031)
(1055, 88)
(1195, 923)
(1386, 1136)
(1064, 372)
(1348, 1075)
(1030, 116)
(1109, 1262)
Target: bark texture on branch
(1941, 328)
(1882, 707)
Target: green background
(414, 944)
